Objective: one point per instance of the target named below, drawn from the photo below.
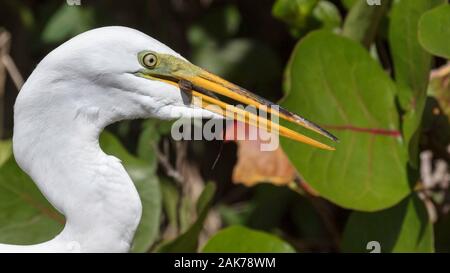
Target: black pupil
(151, 60)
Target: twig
(163, 158)
(7, 62)
(7, 65)
(13, 71)
(4, 48)
(181, 149)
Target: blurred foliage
(434, 32)
(413, 232)
(411, 67)
(373, 75)
(5, 150)
(188, 241)
(362, 21)
(216, 47)
(67, 22)
(303, 16)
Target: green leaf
(67, 22)
(232, 216)
(305, 15)
(27, 217)
(362, 21)
(170, 199)
(328, 15)
(147, 185)
(152, 132)
(403, 228)
(348, 4)
(335, 82)
(5, 151)
(411, 62)
(434, 31)
(294, 12)
(238, 239)
(411, 66)
(188, 241)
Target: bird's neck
(61, 153)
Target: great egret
(97, 78)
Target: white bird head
(116, 73)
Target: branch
(13, 71)
(163, 158)
(8, 63)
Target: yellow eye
(150, 60)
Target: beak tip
(329, 148)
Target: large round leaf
(403, 228)
(334, 81)
(238, 239)
(434, 31)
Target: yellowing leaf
(254, 165)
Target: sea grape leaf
(434, 31)
(333, 81)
